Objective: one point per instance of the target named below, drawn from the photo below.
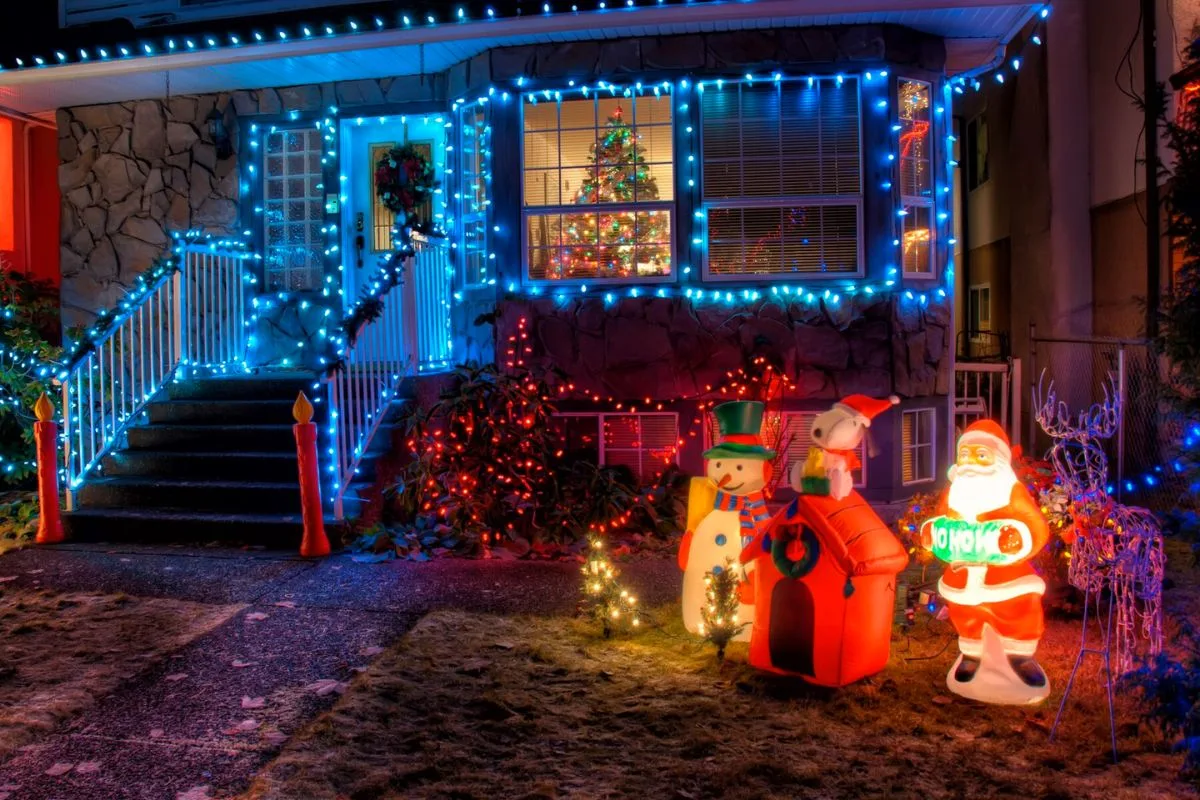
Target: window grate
(645, 443)
(293, 210)
(782, 178)
(791, 429)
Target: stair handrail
(187, 313)
(382, 348)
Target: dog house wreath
(825, 589)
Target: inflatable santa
(987, 528)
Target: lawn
(59, 653)
(477, 706)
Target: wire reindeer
(1117, 548)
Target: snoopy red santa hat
(865, 408)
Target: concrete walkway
(306, 627)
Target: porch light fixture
(219, 133)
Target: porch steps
(214, 461)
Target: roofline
(483, 28)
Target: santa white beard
(975, 490)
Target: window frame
(783, 202)
(321, 267)
(972, 140)
(915, 201)
(914, 414)
(462, 217)
(976, 325)
(601, 449)
(671, 207)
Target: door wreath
(404, 181)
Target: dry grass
(59, 653)
(473, 706)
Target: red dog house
(825, 590)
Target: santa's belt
(971, 595)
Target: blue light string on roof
(406, 19)
(1008, 68)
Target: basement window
(646, 443)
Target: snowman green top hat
(740, 423)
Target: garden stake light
(45, 430)
(315, 543)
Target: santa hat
(988, 433)
(865, 408)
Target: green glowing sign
(956, 540)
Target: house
(1053, 219)
(647, 194)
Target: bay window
(916, 177)
(598, 189)
(782, 178)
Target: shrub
(487, 468)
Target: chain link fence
(1141, 453)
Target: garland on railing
(110, 319)
(370, 305)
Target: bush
(28, 328)
(487, 468)
(1169, 693)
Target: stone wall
(130, 174)
(669, 348)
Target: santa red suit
(1006, 596)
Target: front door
(366, 221)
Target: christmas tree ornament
(988, 528)
(825, 579)
(726, 508)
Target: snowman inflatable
(726, 509)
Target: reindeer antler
(1099, 421)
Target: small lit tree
(609, 604)
(719, 616)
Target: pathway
(305, 629)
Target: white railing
(411, 335)
(988, 391)
(427, 288)
(190, 317)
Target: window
(598, 189)
(980, 308)
(977, 152)
(782, 185)
(916, 446)
(473, 194)
(294, 210)
(383, 219)
(788, 432)
(645, 443)
(916, 177)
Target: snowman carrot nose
(726, 479)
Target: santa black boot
(1028, 670)
(966, 668)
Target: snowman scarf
(751, 508)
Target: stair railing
(411, 335)
(187, 317)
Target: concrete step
(226, 412)
(213, 438)
(236, 465)
(209, 496)
(282, 531)
(270, 386)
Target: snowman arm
(685, 547)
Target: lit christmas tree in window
(624, 243)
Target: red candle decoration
(45, 431)
(315, 543)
